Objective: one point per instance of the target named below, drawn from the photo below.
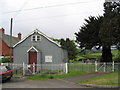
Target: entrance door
(32, 59)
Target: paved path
(83, 77)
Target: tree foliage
(102, 31)
(88, 36)
(70, 46)
(110, 28)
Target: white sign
(48, 58)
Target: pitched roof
(37, 31)
(6, 39)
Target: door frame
(29, 50)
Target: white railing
(94, 67)
(24, 69)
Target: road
(53, 83)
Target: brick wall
(4, 49)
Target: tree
(102, 31)
(70, 46)
(88, 35)
(110, 29)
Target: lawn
(42, 77)
(108, 79)
(95, 55)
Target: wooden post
(104, 67)
(23, 68)
(96, 66)
(66, 67)
(33, 68)
(113, 66)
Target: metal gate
(106, 67)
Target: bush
(51, 77)
(5, 60)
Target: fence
(25, 69)
(93, 67)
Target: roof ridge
(6, 39)
(9, 35)
(39, 32)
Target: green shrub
(51, 77)
(5, 60)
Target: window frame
(35, 38)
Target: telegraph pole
(11, 39)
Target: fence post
(96, 66)
(104, 66)
(33, 68)
(23, 68)
(66, 67)
(113, 66)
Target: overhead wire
(24, 4)
(49, 6)
(57, 5)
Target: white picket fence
(106, 67)
(93, 67)
(25, 69)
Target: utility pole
(11, 39)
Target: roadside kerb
(99, 86)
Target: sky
(55, 18)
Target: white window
(38, 38)
(35, 38)
(48, 58)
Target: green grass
(95, 55)
(115, 54)
(40, 77)
(57, 76)
(17, 75)
(108, 79)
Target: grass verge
(108, 79)
(42, 77)
(17, 75)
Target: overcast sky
(55, 18)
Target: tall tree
(70, 46)
(88, 36)
(109, 32)
(102, 31)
